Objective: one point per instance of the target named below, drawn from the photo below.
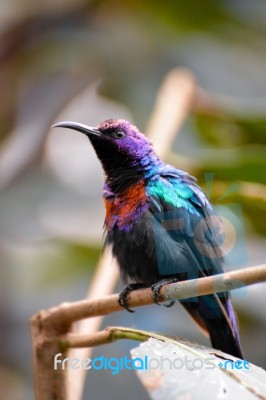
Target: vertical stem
(49, 383)
(103, 283)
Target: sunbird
(160, 225)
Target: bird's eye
(119, 134)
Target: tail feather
(217, 316)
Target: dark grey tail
(217, 317)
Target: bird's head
(125, 153)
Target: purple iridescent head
(124, 137)
(125, 153)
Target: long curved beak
(87, 130)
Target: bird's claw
(156, 288)
(122, 301)
(170, 304)
(123, 295)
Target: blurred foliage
(227, 131)
(237, 153)
(67, 261)
(245, 163)
(183, 15)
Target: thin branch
(108, 335)
(68, 313)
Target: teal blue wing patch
(173, 192)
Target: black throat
(120, 169)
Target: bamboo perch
(67, 313)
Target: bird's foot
(170, 304)
(156, 288)
(123, 295)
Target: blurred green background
(89, 61)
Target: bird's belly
(143, 255)
(135, 262)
